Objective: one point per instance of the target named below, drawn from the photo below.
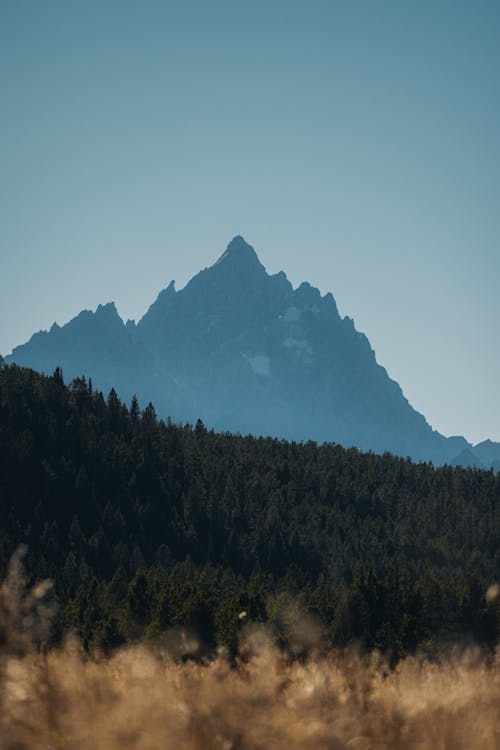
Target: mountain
(488, 452)
(246, 352)
(468, 459)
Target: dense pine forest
(144, 525)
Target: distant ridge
(246, 352)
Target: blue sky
(353, 144)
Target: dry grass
(143, 698)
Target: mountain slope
(245, 351)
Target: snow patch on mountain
(260, 363)
(291, 315)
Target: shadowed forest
(217, 591)
(144, 526)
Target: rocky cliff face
(245, 351)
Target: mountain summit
(240, 254)
(246, 352)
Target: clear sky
(355, 145)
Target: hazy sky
(355, 145)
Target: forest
(144, 526)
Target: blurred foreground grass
(144, 697)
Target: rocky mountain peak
(239, 254)
(107, 310)
(246, 352)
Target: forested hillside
(143, 525)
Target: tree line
(144, 525)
